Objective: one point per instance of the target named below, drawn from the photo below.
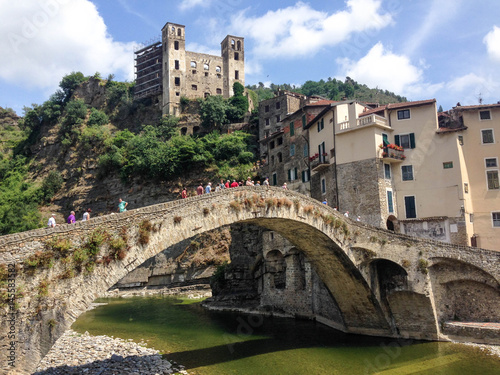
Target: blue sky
(422, 49)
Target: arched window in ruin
(184, 131)
(238, 45)
(217, 69)
(193, 64)
(206, 67)
(232, 43)
(276, 266)
(179, 32)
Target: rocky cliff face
(82, 188)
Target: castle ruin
(167, 71)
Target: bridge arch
(334, 245)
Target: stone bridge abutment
(382, 283)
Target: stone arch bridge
(383, 283)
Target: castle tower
(174, 67)
(233, 60)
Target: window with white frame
(403, 114)
(495, 217)
(390, 202)
(410, 207)
(491, 162)
(405, 140)
(407, 172)
(492, 180)
(387, 171)
(485, 115)
(305, 175)
(487, 136)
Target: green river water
(229, 343)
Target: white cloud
(388, 71)
(434, 19)
(466, 82)
(189, 4)
(492, 41)
(43, 41)
(300, 30)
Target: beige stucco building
(166, 71)
(399, 167)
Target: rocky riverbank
(75, 353)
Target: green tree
(97, 118)
(70, 82)
(213, 111)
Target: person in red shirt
(227, 184)
(184, 193)
(234, 184)
(199, 190)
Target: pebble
(75, 353)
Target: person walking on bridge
(199, 189)
(86, 215)
(122, 205)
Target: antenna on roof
(480, 98)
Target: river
(209, 343)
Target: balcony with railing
(319, 162)
(370, 120)
(392, 153)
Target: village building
(287, 149)
(166, 72)
(399, 167)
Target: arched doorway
(391, 223)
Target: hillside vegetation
(332, 89)
(91, 140)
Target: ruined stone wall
(203, 75)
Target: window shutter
(303, 176)
(292, 129)
(289, 175)
(396, 140)
(296, 176)
(412, 140)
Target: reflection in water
(228, 343)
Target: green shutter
(396, 140)
(304, 121)
(289, 175)
(292, 129)
(412, 140)
(296, 174)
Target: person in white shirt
(86, 215)
(52, 221)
